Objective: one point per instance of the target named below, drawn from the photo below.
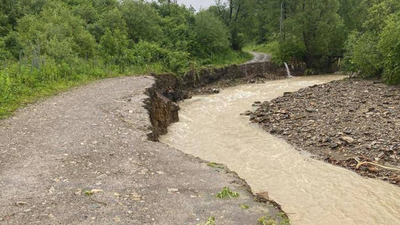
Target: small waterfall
(288, 70)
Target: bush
(389, 46)
(363, 54)
(211, 35)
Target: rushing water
(310, 191)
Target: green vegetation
(49, 46)
(210, 221)
(215, 165)
(267, 220)
(227, 193)
(319, 36)
(374, 50)
(244, 206)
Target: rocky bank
(351, 123)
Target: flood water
(310, 191)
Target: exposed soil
(169, 89)
(83, 157)
(343, 122)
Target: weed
(216, 165)
(267, 220)
(88, 193)
(210, 221)
(227, 193)
(244, 206)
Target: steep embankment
(168, 89)
(351, 123)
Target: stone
(173, 190)
(311, 110)
(348, 140)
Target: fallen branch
(359, 164)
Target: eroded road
(82, 157)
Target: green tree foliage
(142, 21)
(237, 16)
(47, 46)
(317, 25)
(211, 35)
(389, 46)
(57, 33)
(373, 50)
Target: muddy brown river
(310, 191)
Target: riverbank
(350, 123)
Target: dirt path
(83, 158)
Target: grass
(20, 85)
(216, 165)
(244, 206)
(265, 48)
(210, 221)
(227, 193)
(268, 220)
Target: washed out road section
(83, 157)
(310, 191)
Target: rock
(247, 113)
(173, 190)
(347, 139)
(215, 90)
(135, 196)
(311, 110)
(21, 203)
(334, 145)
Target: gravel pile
(342, 122)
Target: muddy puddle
(310, 191)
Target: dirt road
(83, 157)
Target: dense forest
(47, 46)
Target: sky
(197, 4)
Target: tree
(318, 26)
(211, 35)
(142, 21)
(57, 33)
(389, 46)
